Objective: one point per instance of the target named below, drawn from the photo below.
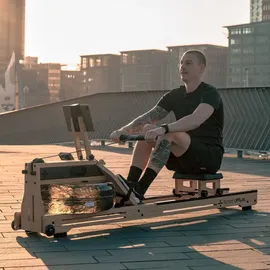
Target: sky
(62, 30)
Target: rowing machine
(69, 193)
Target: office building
(143, 70)
(266, 10)
(101, 73)
(30, 62)
(54, 78)
(71, 84)
(50, 73)
(259, 10)
(35, 87)
(249, 55)
(216, 66)
(12, 32)
(255, 10)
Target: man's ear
(203, 67)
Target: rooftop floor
(210, 239)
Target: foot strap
(125, 198)
(131, 188)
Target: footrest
(202, 177)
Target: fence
(247, 113)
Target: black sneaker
(133, 187)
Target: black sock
(134, 174)
(146, 180)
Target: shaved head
(200, 56)
(192, 66)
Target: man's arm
(192, 121)
(154, 115)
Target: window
(143, 86)
(84, 62)
(247, 30)
(70, 76)
(266, 7)
(54, 71)
(105, 61)
(124, 58)
(235, 41)
(236, 31)
(261, 59)
(248, 59)
(236, 50)
(262, 40)
(258, 70)
(248, 50)
(262, 28)
(133, 59)
(235, 60)
(91, 62)
(235, 70)
(248, 40)
(261, 49)
(235, 80)
(98, 62)
(261, 80)
(266, 17)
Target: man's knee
(180, 142)
(179, 138)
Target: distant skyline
(62, 30)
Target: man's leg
(177, 143)
(140, 157)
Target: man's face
(189, 68)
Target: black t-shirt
(182, 104)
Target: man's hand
(117, 133)
(152, 134)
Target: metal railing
(247, 118)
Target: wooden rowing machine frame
(194, 197)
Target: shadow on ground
(231, 239)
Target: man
(191, 144)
